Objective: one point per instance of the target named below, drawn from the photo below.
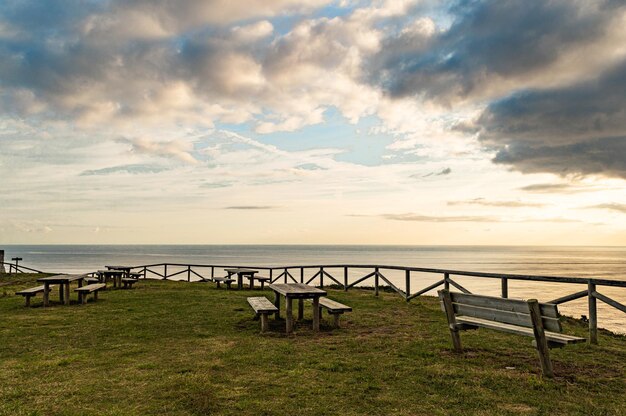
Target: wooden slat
(505, 316)
(90, 288)
(511, 305)
(32, 290)
(514, 329)
(261, 304)
(334, 306)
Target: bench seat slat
(505, 316)
(261, 304)
(514, 329)
(32, 290)
(334, 306)
(90, 288)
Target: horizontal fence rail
(16, 268)
(343, 276)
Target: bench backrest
(507, 311)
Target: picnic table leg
(67, 293)
(300, 309)
(80, 282)
(251, 282)
(277, 304)
(46, 294)
(62, 293)
(289, 313)
(239, 281)
(316, 314)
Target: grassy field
(177, 348)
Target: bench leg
(27, 300)
(336, 320)
(264, 322)
(81, 298)
(454, 331)
(540, 339)
(62, 293)
(277, 304)
(218, 284)
(228, 287)
(262, 284)
(95, 296)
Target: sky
(493, 122)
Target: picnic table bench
(262, 307)
(528, 318)
(220, 280)
(30, 292)
(334, 308)
(85, 290)
(128, 282)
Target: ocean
(587, 262)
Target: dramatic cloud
(575, 130)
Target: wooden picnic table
(125, 269)
(63, 280)
(241, 272)
(114, 274)
(301, 292)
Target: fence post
(446, 281)
(301, 274)
(321, 277)
(165, 271)
(345, 279)
(272, 281)
(593, 313)
(376, 281)
(212, 272)
(285, 275)
(2, 269)
(505, 287)
(145, 271)
(189, 273)
(407, 278)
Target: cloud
(494, 46)
(177, 149)
(443, 172)
(431, 218)
(610, 206)
(504, 204)
(131, 169)
(251, 207)
(550, 188)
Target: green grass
(177, 348)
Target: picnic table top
(241, 270)
(111, 271)
(62, 278)
(296, 290)
(118, 267)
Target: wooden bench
(528, 318)
(129, 282)
(220, 280)
(261, 279)
(262, 307)
(334, 308)
(90, 280)
(29, 293)
(85, 290)
(135, 275)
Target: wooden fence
(341, 276)
(17, 268)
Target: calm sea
(599, 262)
